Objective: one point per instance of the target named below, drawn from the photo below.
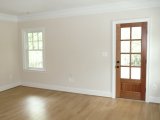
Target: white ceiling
(26, 10)
(23, 7)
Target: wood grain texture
(131, 88)
(24, 103)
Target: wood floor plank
(24, 103)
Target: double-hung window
(34, 49)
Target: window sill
(34, 70)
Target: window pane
(125, 59)
(29, 36)
(136, 46)
(40, 36)
(35, 37)
(30, 46)
(34, 52)
(40, 45)
(125, 33)
(35, 45)
(125, 72)
(35, 59)
(125, 46)
(136, 32)
(136, 60)
(136, 73)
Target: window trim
(24, 45)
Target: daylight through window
(34, 47)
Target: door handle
(117, 62)
(117, 66)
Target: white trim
(9, 86)
(148, 60)
(96, 9)
(148, 20)
(67, 89)
(154, 99)
(113, 59)
(25, 66)
(110, 7)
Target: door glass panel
(135, 73)
(125, 33)
(125, 72)
(136, 46)
(136, 32)
(125, 59)
(136, 60)
(125, 46)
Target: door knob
(117, 66)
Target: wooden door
(131, 45)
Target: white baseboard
(9, 86)
(154, 99)
(68, 89)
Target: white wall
(75, 47)
(9, 55)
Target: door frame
(148, 20)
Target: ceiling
(23, 7)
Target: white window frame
(24, 47)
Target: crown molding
(112, 7)
(97, 9)
(6, 17)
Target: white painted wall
(79, 52)
(9, 55)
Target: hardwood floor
(24, 103)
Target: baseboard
(9, 86)
(68, 89)
(154, 99)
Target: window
(34, 50)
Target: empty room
(79, 60)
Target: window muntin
(34, 50)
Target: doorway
(131, 57)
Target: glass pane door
(130, 53)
